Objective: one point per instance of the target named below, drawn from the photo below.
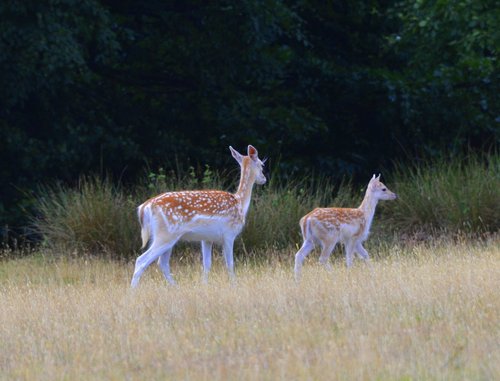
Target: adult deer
(351, 226)
(209, 216)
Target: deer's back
(186, 205)
(342, 222)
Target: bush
(95, 217)
(447, 195)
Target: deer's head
(251, 162)
(379, 190)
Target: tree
(45, 91)
(449, 84)
(341, 88)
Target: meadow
(422, 310)
(426, 308)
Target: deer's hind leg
(227, 250)
(164, 264)
(158, 247)
(306, 248)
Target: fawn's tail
(305, 227)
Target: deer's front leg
(349, 253)
(362, 251)
(206, 251)
(364, 254)
(227, 250)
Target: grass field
(422, 311)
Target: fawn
(327, 226)
(209, 216)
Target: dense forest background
(341, 88)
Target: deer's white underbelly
(211, 229)
(343, 232)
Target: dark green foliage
(341, 88)
(52, 121)
(448, 84)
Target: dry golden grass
(421, 312)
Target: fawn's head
(379, 190)
(252, 162)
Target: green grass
(455, 196)
(96, 216)
(437, 197)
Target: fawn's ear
(238, 156)
(252, 152)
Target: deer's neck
(244, 192)
(368, 207)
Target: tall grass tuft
(95, 217)
(460, 196)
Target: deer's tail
(144, 214)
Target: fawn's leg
(363, 254)
(362, 251)
(306, 248)
(326, 251)
(349, 253)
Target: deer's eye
(384, 189)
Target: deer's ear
(372, 180)
(252, 152)
(238, 156)
(378, 177)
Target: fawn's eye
(384, 189)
